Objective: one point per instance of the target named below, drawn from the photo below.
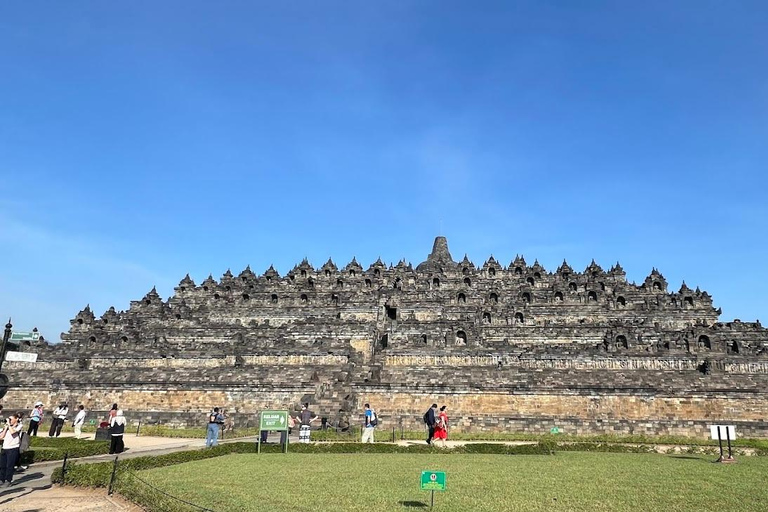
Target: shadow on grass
(413, 504)
(686, 457)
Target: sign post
(25, 336)
(273, 420)
(717, 432)
(433, 481)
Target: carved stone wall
(506, 347)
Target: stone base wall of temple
(583, 413)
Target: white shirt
(61, 413)
(12, 436)
(80, 418)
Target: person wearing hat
(59, 416)
(35, 419)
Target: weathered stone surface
(513, 347)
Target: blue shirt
(369, 418)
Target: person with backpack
(431, 420)
(35, 419)
(214, 422)
(371, 420)
(9, 456)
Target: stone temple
(515, 348)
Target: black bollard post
(64, 468)
(720, 443)
(728, 436)
(112, 478)
(138, 427)
(393, 434)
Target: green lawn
(568, 481)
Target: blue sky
(141, 142)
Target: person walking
(430, 419)
(59, 416)
(441, 427)
(117, 429)
(370, 424)
(35, 419)
(9, 455)
(306, 417)
(212, 434)
(79, 420)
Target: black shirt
(431, 417)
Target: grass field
(568, 481)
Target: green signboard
(433, 480)
(555, 430)
(24, 336)
(273, 420)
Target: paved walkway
(32, 490)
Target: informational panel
(433, 480)
(25, 336)
(273, 420)
(729, 434)
(27, 357)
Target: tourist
(59, 417)
(342, 423)
(23, 444)
(441, 427)
(369, 425)
(229, 422)
(306, 418)
(35, 419)
(431, 420)
(117, 429)
(215, 420)
(112, 412)
(9, 456)
(78, 423)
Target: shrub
(44, 449)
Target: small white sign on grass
(726, 432)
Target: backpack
(426, 418)
(374, 419)
(23, 442)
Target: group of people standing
(57, 422)
(115, 422)
(435, 420)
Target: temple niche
(335, 333)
